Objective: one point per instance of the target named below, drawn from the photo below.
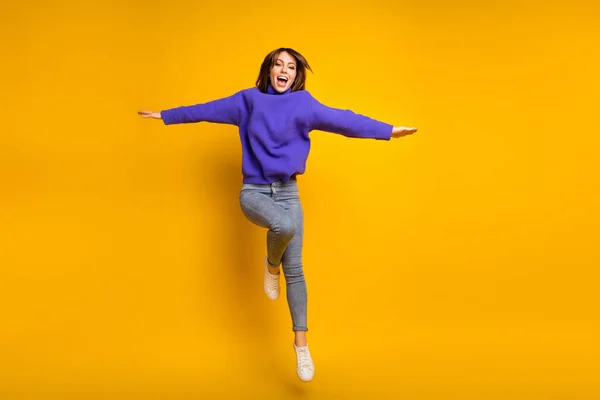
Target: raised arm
(351, 124)
(223, 111)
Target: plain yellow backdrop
(458, 263)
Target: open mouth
(282, 81)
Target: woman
(274, 120)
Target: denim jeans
(277, 207)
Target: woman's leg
(277, 207)
(261, 209)
(294, 275)
(296, 283)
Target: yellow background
(461, 262)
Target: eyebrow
(291, 62)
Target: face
(283, 72)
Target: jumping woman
(274, 120)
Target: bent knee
(286, 227)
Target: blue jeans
(277, 207)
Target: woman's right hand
(150, 114)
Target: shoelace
(303, 358)
(273, 281)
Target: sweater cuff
(385, 132)
(168, 117)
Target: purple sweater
(274, 128)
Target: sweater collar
(271, 90)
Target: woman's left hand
(400, 131)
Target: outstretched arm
(351, 124)
(223, 111)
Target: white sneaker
(271, 283)
(304, 363)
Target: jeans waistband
(291, 184)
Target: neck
(271, 90)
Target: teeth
(283, 77)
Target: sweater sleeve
(223, 111)
(347, 123)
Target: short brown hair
(265, 69)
